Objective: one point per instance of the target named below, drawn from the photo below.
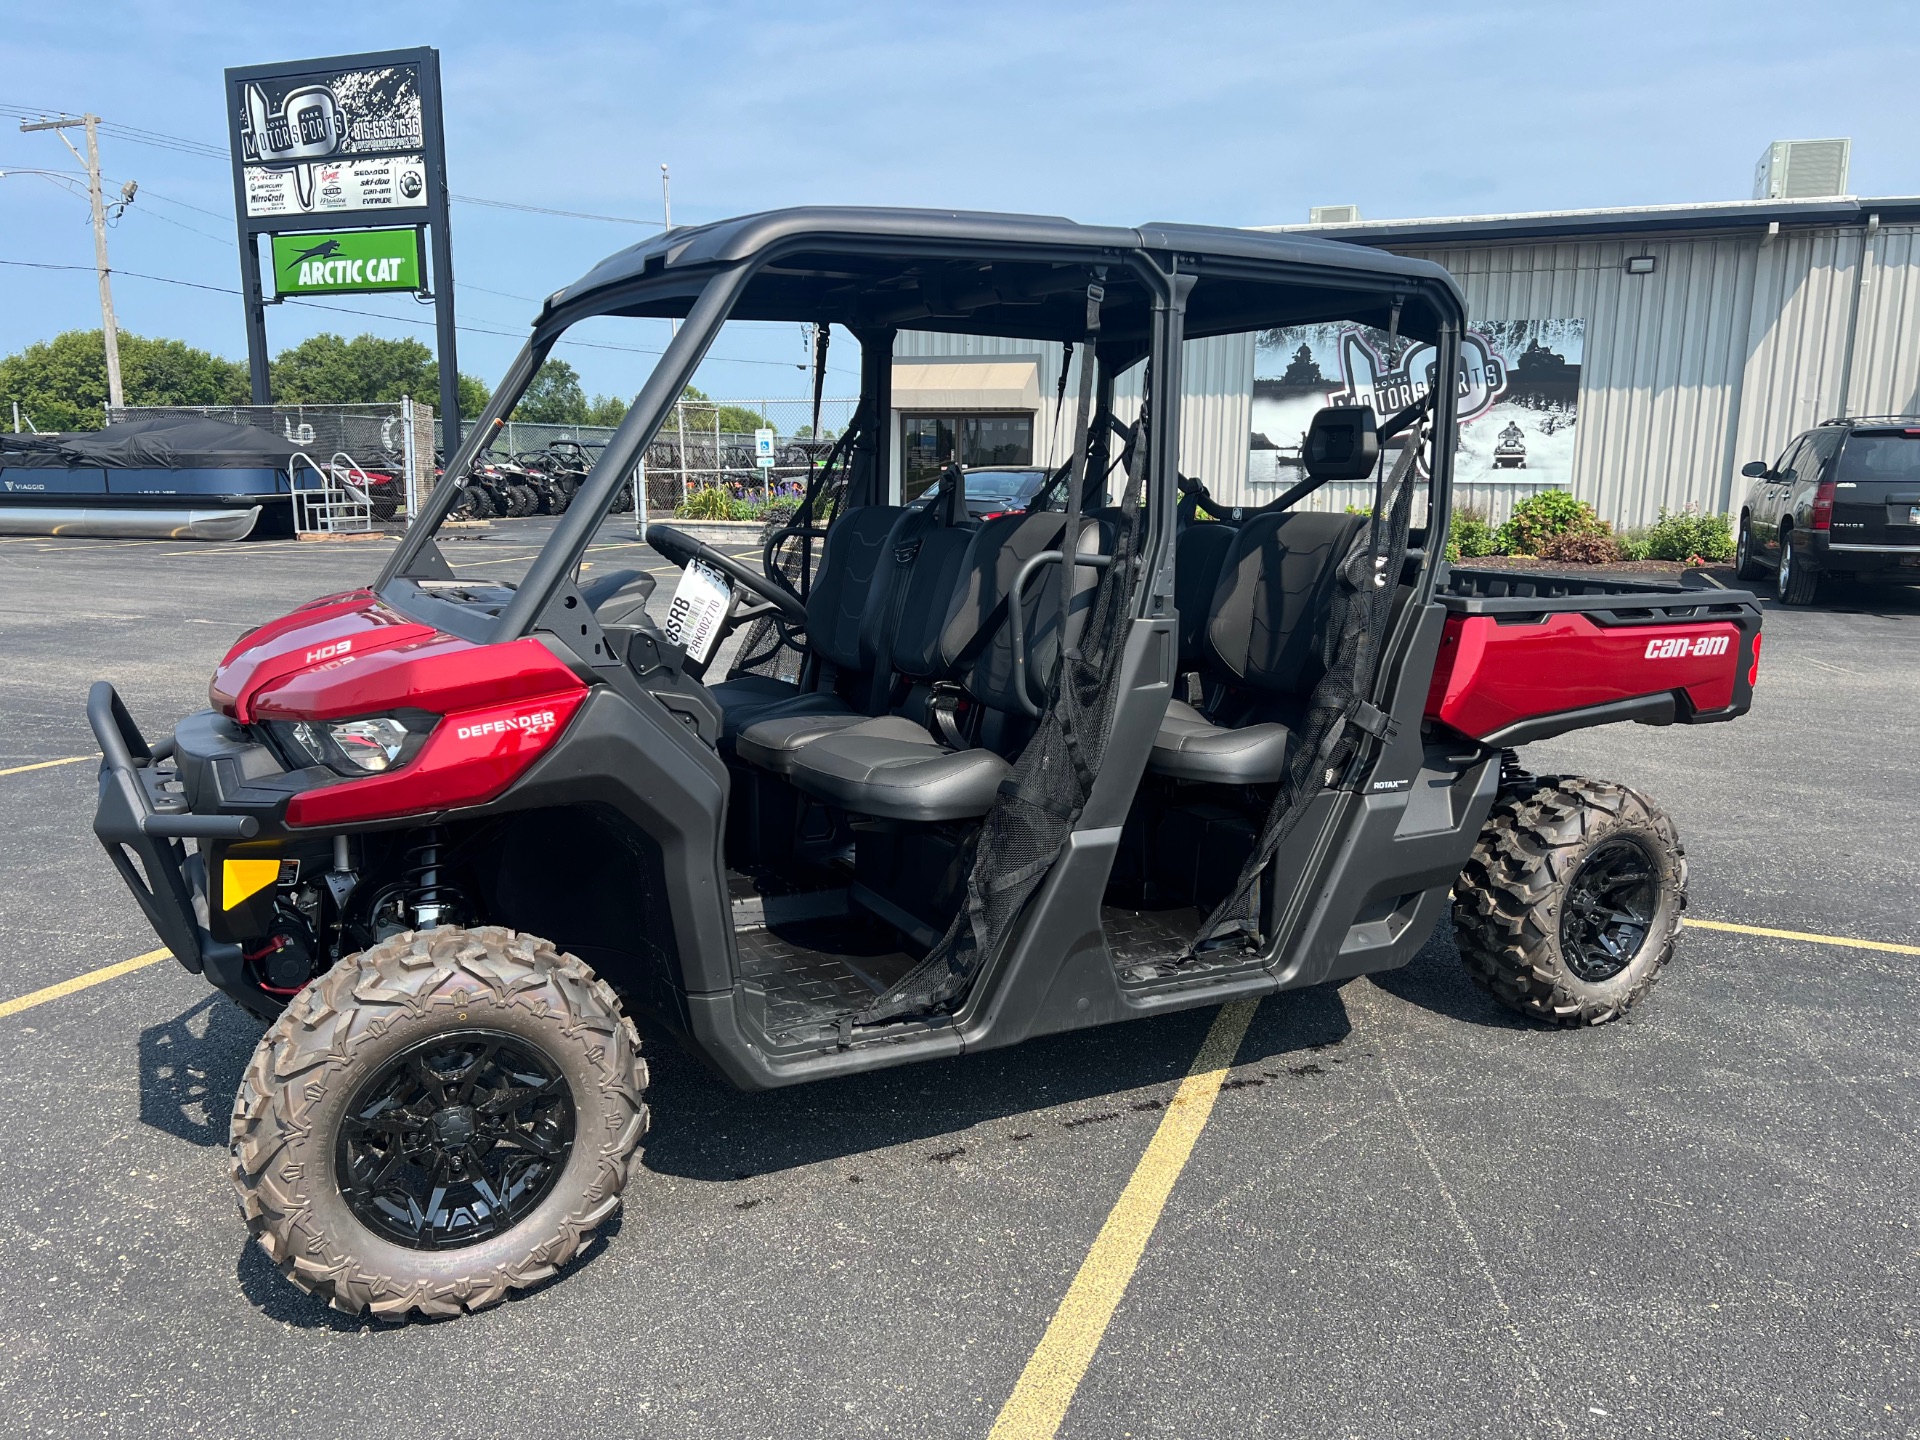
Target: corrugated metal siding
(1886, 361)
(1803, 290)
(1662, 359)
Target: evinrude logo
(1683, 647)
(536, 723)
(328, 652)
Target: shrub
(1538, 518)
(1593, 547)
(709, 502)
(1633, 543)
(1688, 535)
(1470, 536)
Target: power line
(182, 145)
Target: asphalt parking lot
(1410, 1215)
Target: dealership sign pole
(324, 151)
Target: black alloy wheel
(455, 1139)
(1609, 910)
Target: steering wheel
(682, 549)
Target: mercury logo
(1683, 647)
(537, 723)
(327, 652)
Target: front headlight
(356, 747)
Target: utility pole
(116, 396)
(666, 214)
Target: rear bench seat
(1261, 647)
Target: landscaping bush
(1538, 518)
(1633, 543)
(709, 502)
(1686, 534)
(1593, 547)
(1470, 537)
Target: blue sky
(1204, 112)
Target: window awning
(966, 385)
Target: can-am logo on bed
(1517, 392)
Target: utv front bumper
(207, 783)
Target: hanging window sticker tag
(700, 603)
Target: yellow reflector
(241, 878)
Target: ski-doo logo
(1683, 647)
(536, 723)
(328, 652)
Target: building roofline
(1836, 210)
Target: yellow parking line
(81, 982)
(1805, 935)
(1046, 1387)
(48, 764)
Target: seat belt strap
(1082, 419)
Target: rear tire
(1745, 567)
(1548, 916)
(323, 1166)
(473, 503)
(1797, 581)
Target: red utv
(968, 781)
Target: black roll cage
(702, 277)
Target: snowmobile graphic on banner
(1517, 391)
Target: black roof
(929, 269)
(182, 442)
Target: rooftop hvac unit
(1802, 169)
(1332, 214)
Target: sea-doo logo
(328, 652)
(536, 723)
(1683, 647)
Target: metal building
(1713, 334)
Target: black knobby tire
(1797, 580)
(360, 1020)
(1745, 567)
(1520, 904)
(474, 503)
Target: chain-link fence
(706, 444)
(371, 437)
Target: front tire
(1797, 581)
(437, 1122)
(1745, 567)
(1569, 907)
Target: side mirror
(1754, 469)
(1343, 443)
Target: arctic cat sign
(346, 262)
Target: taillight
(1823, 506)
(1753, 670)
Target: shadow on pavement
(190, 1067)
(704, 1130)
(1436, 980)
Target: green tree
(61, 384)
(606, 410)
(328, 369)
(734, 419)
(554, 397)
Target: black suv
(1843, 498)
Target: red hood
(332, 632)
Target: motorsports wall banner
(352, 262)
(1518, 388)
(341, 163)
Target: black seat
(899, 634)
(1263, 641)
(836, 606)
(897, 768)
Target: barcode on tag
(699, 604)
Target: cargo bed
(1528, 656)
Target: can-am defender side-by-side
(969, 781)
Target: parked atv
(1074, 764)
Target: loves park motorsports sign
(350, 262)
